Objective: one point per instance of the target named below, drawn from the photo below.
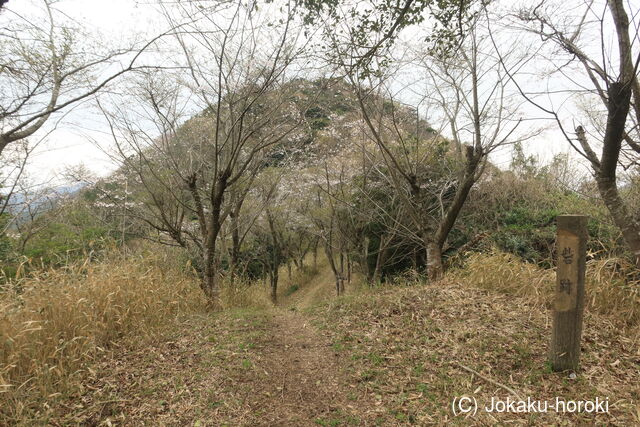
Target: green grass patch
(291, 289)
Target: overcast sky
(70, 144)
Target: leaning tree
(48, 63)
(591, 55)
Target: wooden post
(571, 247)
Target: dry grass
(127, 339)
(610, 291)
(407, 348)
(242, 294)
(55, 323)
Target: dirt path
(268, 368)
(321, 287)
(305, 385)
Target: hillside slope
(396, 356)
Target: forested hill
(448, 233)
(325, 174)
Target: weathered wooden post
(568, 306)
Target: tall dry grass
(54, 323)
(610, 288)
(240, 293)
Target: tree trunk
(315, 257)
(274, 284)
(364, 263)
(235, 241)
(208, 283)
(618, 108)
(435, 269)
(210, 226)
(332, 264)
(276, 258)
(616, 206)
(380, 260)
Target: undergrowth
(55, 323)
(610, 288)
(409, 344)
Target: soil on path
(307, 385)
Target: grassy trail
(268, 367)
(312, 291)
(395, 356)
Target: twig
(284, 384)
(103, 402)
(510, 390)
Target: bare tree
(610, 67)
(12, 174)
(468, 95)
(37, 208)
(327, 222)
(48, 64)
(186, 171)
(272, 230)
